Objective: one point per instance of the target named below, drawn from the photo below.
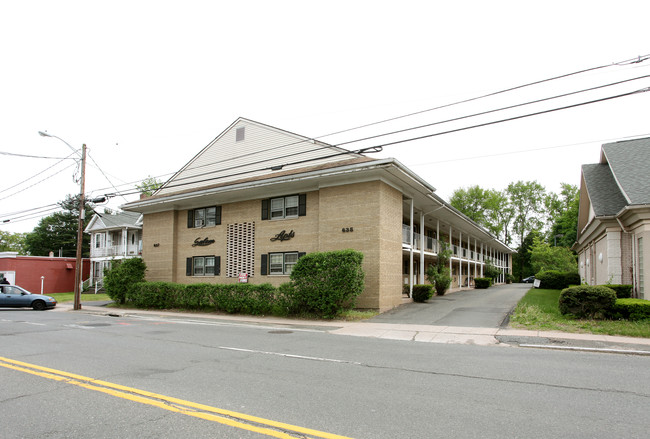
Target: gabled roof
(104, 221)
(629, 162)
(250, 149)
(605, 195)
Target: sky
(147, 84)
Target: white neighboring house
(113, 236)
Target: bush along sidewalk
(322, 284)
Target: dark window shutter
(218, 218)
(265, 209)
(217, 266)
(302, 205)
(188, 267)
(265, 263)
(301, 254)
(190, 219)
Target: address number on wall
(347, 229)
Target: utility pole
(78, 269)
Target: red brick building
(53, 275)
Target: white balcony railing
(98, 252)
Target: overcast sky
(147, 84)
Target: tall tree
(58, 232)
(563, 216)
(487, 207)
(471, 202)
(12, 242)
(543, 257)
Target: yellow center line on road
(234, 419)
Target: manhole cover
(280, 331)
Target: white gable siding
(263, 147)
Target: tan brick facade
(364, 216)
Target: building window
(203, 266)
(280, 264)
(204, 217)
(99, 240)
(291, 206)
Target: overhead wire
(635, 60)
(630, 61)
(414, 138)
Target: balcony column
(460, 259)
(422, 247)
(411, 251)
(437, 249)
(451, 248)
(482, 259)
(126, 242)
(469, 258)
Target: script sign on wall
(283, 236)
(198, 242)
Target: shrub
(587, 301)
(622, 291)
(557, 280)
(328, 283)
(422, 293)
(509, 278)
(122, 276)
(482, 282)
(631, 309)
(440, 278)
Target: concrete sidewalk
(504, 337)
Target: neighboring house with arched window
(113, 236)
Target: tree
(471, 202)
(439, 275)
(545, 257)
(12, 242)
(59, 231)
(487, 207)
(149, 185)
(563, 214)
(521, 266)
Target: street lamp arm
(44, 134)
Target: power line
(412, 139)
(31, 156)
(537, 101)
(643, 90)
(635, 60)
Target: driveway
(467, 308)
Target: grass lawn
(69, 297)
(538, 310)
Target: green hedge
(482, 282)
(231, 298)
(422, 292)
(586, 301)
(557, 280)
(631, 309)
(622, 291)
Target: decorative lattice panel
(240, 256)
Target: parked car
(14, 296)
(529, 280)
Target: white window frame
(284, 205)
(283, 264)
